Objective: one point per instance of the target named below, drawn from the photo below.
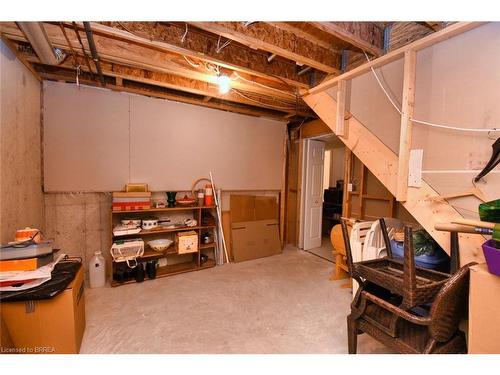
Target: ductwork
(36, 35)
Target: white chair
(357, 240)
(367, 241)
(374, 245)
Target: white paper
(415, 168)
(41, 275)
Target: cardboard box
(246, 208)
(255, 239)
(484, 311)
(47, 326)
(187, 242)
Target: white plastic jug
(97, 270)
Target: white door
(313, 194)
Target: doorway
(321, 193)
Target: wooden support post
(119, 81)
(340, 127)
(406, 125)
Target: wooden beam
(281, 42)
(383, 163)
(13, 48)
(363, 35)
(439, 36)
(134, 55)
(409, 76)
(174, 82)
(340, 123)
(200, 45)
(169, 96)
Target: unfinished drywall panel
(98, 140)
(86, 138)
(173, 144)
(458, 85)
(369, 105)
(21, 200)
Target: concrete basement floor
(280, 304)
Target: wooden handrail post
(340, 129)
(409, 76)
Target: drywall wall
(457, 84)
(336, 165)
(98, 140)
(21, 199)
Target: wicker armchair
(435, 331)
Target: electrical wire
(265, 86)
(426, 122)
(260, 102)
(191, 63)
(185, 34)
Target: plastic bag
(423, 243)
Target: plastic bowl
(160, 245)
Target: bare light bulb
(224, 83)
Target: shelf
(178, 208)
(152, 254)
(165, 230)
(170, 270)
(207, 245)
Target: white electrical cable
(262, 85)
(425, 122)
(194, 65)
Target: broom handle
(447, 227)
(217, 208)
(475, 223)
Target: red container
(492, 255)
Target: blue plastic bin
(440, 261)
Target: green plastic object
(490, 211)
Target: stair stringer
(383, 163)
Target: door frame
(301, 187)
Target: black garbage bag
(62, 275)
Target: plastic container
(201, 198)
(490, 211)
(491, 253)
(440, 261)
(209, 195)
(97, 270)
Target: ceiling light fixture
(224, 83)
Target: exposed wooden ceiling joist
(158, 92)
(201, 45)
(363, 35)
(173, 82)
(266, 37)
(134, 55)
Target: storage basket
(127, 251)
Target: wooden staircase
(391, 170)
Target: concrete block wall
(79, 223)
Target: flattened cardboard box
(54, 325)
(255, 239)
(484, 311)
(246, 208)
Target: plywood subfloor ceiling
(269, 63)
